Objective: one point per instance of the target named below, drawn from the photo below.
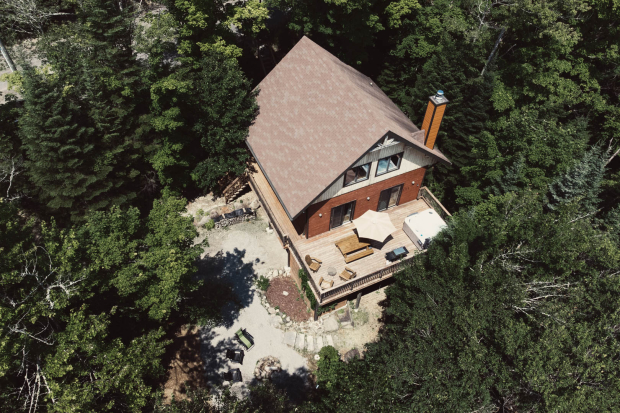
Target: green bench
(245, 338)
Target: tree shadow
(214, 356)
(297, 385)
(230, 283)
(185, 371)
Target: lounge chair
(325, 284)
(233, 375)
(245, 338)
(314, 266)
(235, 355)
(348, 274)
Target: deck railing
(433, 202)
(357, 283)
(265, 205)
(302, 263)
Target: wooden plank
(324, 248)
(282, 221)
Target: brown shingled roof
(317, 117)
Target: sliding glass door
(342, 214)
(389, 198)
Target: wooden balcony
(370, 270)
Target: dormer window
(357, 174)
(389, 164)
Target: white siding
(412, 159)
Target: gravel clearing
(238, 255)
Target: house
(329, 145)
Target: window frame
(356, 180)
(331, 215)
(400, 161)
(400, 193)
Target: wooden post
(316, 310)
(359, 298)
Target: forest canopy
(123, 110)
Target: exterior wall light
(367, 198)
(412, 182)
(320, 215)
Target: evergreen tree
(582, 182)
(346, 28)
(81, 128)
(512, 308)
(203, 113)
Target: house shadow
(229, 284)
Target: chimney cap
(439, 98)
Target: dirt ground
(366, 323)
(186, 369)
(292, 304)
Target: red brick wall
(318, 225)
(300, 223)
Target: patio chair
(233, 375)
(325, 284)
(245, 338)
(314, 266)
(348, 274)
(235, 355)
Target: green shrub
(210, 225)
(305, 286)
(200, 212)
(262, 283)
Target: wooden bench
(349, 245)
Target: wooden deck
(266, 194)
(324, 248)
(370, 269)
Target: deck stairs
(266, 57)
(237, 186)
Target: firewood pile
(235, 217)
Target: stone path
(309, 336)
(307, 342)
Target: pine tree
(511, 308)
(581, 182)
(81, 125)
(203, 113)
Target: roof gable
(317, 116)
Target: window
(389, 198)
(357, 174)
(342, 214)
(389, 164)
